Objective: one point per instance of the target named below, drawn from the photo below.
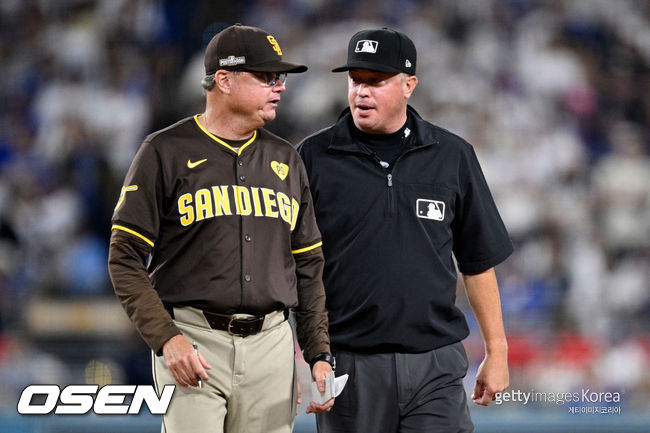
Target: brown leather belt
(239, 326)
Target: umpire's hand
(183, 363)
(320, 371)
(492, 377)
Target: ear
(409, 85)
(223, 81)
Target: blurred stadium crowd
(554, 95)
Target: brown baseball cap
(248, 48)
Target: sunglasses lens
(272, 78)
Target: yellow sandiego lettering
(221, 200)
(242, 200)
(284, 206)
(203, 204)
(212, 202)
(269, 202)
(255, 192)
(185, 209)
(295, 207)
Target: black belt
(241, 327)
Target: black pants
(400, 393)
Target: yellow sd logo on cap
(275, 44)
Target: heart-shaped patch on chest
(282, 170)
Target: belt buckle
(230, 331)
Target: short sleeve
(481, 240)
(138, 208)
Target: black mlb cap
(383, 50)
(248, 48)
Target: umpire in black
(397, 199)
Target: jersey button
(240, 163)
(247, 278)
(242, 178)
(247, 238)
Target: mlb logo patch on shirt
(430, 209)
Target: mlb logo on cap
(366, 46)
(382, 50)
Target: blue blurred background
(554, 95)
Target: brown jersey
(224, 225)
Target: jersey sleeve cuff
(160, 340)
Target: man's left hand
(492, 378)
(320, 372)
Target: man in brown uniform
(214, 239)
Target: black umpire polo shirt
(389, 235)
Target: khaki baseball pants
(252, 386)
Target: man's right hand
(183, 363)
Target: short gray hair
(208, 81)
